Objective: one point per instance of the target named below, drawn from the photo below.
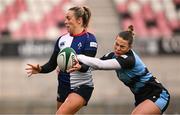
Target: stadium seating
(32, 19)
(151, 18)
(44, 19)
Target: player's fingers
(28, 68)
(32, 66)
(77, 61)
(30, 75)
(70, 70)
(29, 72)
(75, 65)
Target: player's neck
(78, 32)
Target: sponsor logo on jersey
(93, 44)
(124, 56)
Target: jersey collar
(75, 35)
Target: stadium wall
(44, 48)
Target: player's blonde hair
(82, 12)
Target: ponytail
(82, 12)
(131, 30)
(128, 35)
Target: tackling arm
(95, 63)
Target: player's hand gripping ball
(66, 59)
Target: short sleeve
(126, 62)
(91, 43)
(107, 56)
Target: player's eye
(116, 44)
(68, 18)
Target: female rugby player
(74, 89)
(150, 96)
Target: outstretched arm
(95, 63)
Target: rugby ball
(66, 58)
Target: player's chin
(68, 29)
(117, 54)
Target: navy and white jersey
(83, 43)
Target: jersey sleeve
(107, 56)
(95, 63)
(52, 63)
(126, 62)
(91, 43)
(89, 50)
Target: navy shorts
(84, 91)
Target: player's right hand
(33, 69)
(76, 66)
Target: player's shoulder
(64, 35)
(90, 35)
(127, 61)
(128, 55)
(109, 55)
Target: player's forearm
(50, 65)
(96, 63)
(46, 68)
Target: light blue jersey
(135, 75)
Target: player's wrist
(39, 68)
